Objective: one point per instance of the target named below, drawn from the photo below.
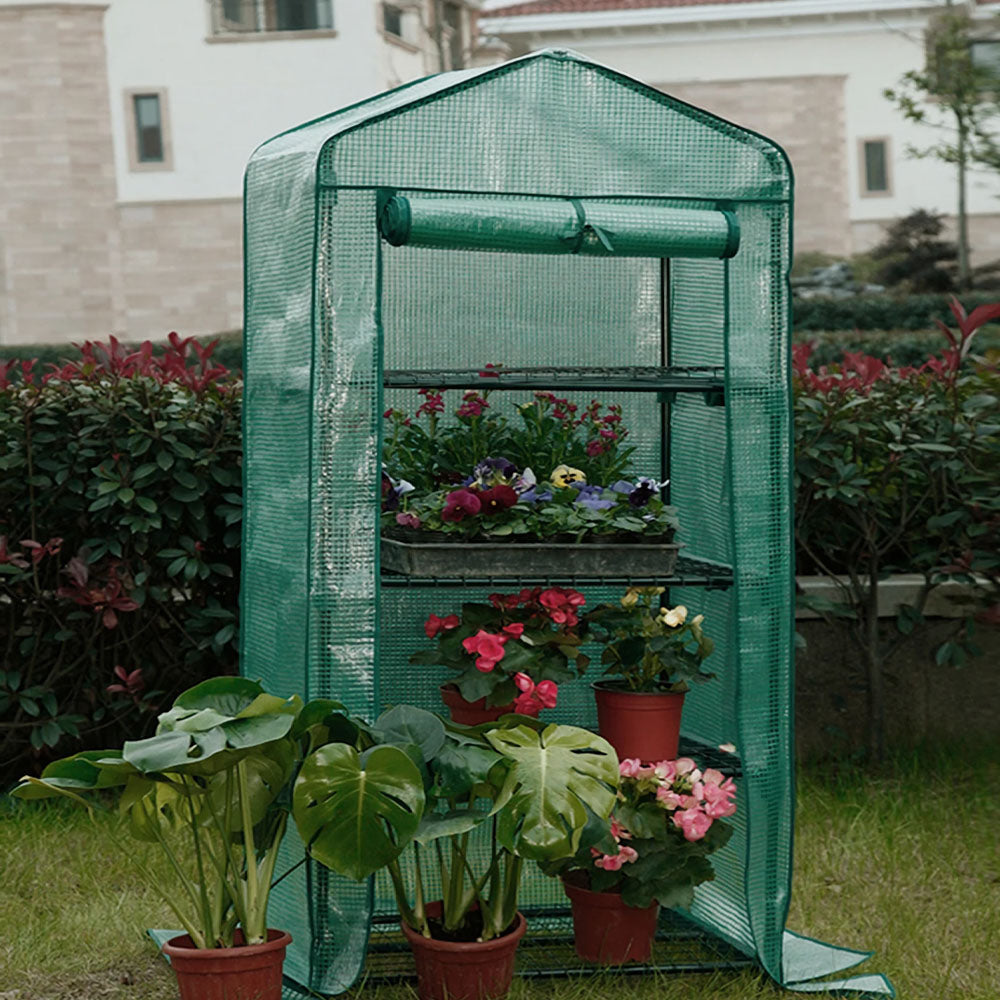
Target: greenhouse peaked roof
(313, 135)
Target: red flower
(534, 697)
(498, 498)
(488, 647)
(472, 405)
(459, 504)
(433, 403)
(561, 605)
(515, 629)
(433, 625)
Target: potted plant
(653, 655)
(652, 852)
(509, 655)
(463, 499)
(493, 797)
(210, 788)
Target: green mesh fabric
(330, 306)
(545, 225)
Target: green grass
(906, 863)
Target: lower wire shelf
(547, 949)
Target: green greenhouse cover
(550, 213)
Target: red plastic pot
(605, 930)
(471, 713)
(244, 972)
(639, 724)
(459, 970)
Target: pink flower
(407, 520)
(629, 768)
(433, 625)
(618, 831)
(595, 448)
(693, 823)
(488, 647)
(686, 767)
(665, 770)
(561, 605)
(667, 797)
(719, 809)
(514, 628)
(433, 403)
(472, 405)
(613, 862)
(459, 504)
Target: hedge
(879, 312)
(120, 512)
(120, 509)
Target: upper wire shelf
(706, 379)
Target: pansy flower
(459, 504)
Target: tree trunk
(964, 278)
(875, 676)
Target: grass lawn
(906, 863)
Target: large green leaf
(462, 766)
(83, 772)
(557, 775)
(227, 695)
(406, 724)
(354, 817)
(448, 824)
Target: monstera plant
(206, 788)
(492, 796)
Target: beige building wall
(984, 236)
(182, 268)
(805, 115)
(58, 233)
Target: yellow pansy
(563, 475)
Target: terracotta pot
(471, 713)
(639, 724)
(245, 972)
(605, 930)
(459, 970)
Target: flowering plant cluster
(433, 449)
(518, 648)
(655, 847)
(649, 647)
(501, 500)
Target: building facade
(124, 130)
(808, 73)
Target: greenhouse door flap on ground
(546, 226)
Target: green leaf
(407, 724)
(356, 819)
(437, 825)
(557, 775)
(126, 495)
(149, 506)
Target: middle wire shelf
(688, 572)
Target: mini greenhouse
(586, 233)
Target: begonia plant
(655, 846)
(517, 648)
(648, 647)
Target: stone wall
(58, 232)
(182, 268)
(984, 236)
(805, 115)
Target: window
(148, 128)
(147, 131)
(235, 17)
(986, 57)
(392, 20)
(875, 167)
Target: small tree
(914, 257)
(954, 96)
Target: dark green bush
(903, 347)
(879, 312)
(120, 508)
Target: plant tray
(520, 559)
